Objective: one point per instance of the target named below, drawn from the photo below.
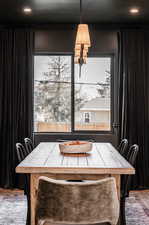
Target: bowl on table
(75, 147)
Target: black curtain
(16, 67)
(134, 98)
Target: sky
(93, 71)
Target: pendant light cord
(80, 63)
(80, 11)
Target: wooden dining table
(46, 160)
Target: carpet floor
(13, 208)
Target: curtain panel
(16, 100)
(134, 98)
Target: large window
(64, 101)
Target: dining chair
(21, 155)
(123, 147)
(126, 181)
(29, 145)
(90, 202)
(21, 152)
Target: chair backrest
(123, 146)
(77, 202)
(29, 145)
(21, 152)
(132, 154)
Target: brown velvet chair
(89, 202)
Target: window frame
(112, 102)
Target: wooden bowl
(75, 147)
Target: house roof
(97, 104)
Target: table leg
(118, 185)
(33, 184)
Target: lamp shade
(83, 36)
(82, 44)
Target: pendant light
(82, 41)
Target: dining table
(46, 160)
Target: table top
(103, 159)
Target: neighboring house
(96, 110)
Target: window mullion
(72, 95)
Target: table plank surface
(103, 159)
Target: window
(86, 117)
(93, 94)
(66, 102)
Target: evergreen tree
(53, 93)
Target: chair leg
(28, 219)
(122, 211)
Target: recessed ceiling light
(27, 10)
(134, 10)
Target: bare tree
(104, 87)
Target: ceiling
(67, 11)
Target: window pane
(52, 93)
(92, 94)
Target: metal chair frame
(126, 181)
(123, 147)
(29, 145)
(21, 154)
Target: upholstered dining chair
(126, 181)
(29, 145)
(21, 154)
(123, 147)
(90, 202)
